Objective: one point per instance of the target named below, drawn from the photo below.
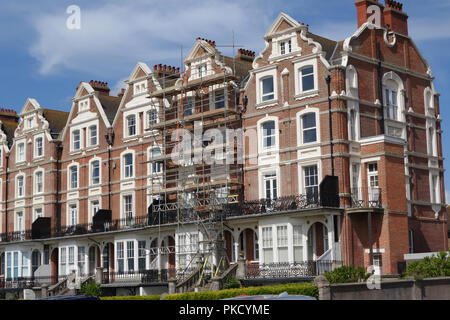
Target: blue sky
(40, 58)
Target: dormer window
(140, 87)
(202, 71)
(29, 123)
(285, 47)
(83, 105)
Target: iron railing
(366, 197)
(139, 276)
(27, 282)
(290, 270)
(165, 214)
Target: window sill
(21, 163)
(132, 138)
(307, 94)
(72, 153)
(96, 147)
(37, 159)
(267, 104)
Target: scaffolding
(185, 188)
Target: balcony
(290, 270)
(366, 198)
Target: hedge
(306, 289)
(151, 297)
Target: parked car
(282, 296)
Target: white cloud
(114, 36)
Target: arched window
(391, 96)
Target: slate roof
(110, 105)
(56, 119)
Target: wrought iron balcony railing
(186, 214)
(290, 270)
(368, 197)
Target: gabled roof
(9, 127)
(202, 45)
(110, 105)
(56, 120)
(283, 22)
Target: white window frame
(261, 135)
(267, 243)
(301, 174)
(70, 212)
(298, 67)
(35, 175)
(91, 171)
(21, 227)
(299, 120)
(140, 88)
(122, 205)
(90, 144)
(17, 178)
(35, 154)
(35, 214)
(147, 117)
(20, 159)
(127, 125)
(150, 158)
(261, 75)
(84, 105)
(435, 187)
(69, 176)
(72, 139)
(123, 165)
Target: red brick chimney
(361, 11)
(122, 93)
(395, 17)
(8, 115)
(101, 87)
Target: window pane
(308, 79)
(267, 89)
(309, 128)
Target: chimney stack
(361, 11)
(8, 115)
(100, 87)
(122, 93)
(395, 17)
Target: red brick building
(100, 186)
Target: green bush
(92, 289)
(232, 283)
(306, 289)
(151, 297)
(347, 274)
(430, 267)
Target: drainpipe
(6, 194)
(328, 80)
(110, 140)
(380, 86)
(59, 149)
